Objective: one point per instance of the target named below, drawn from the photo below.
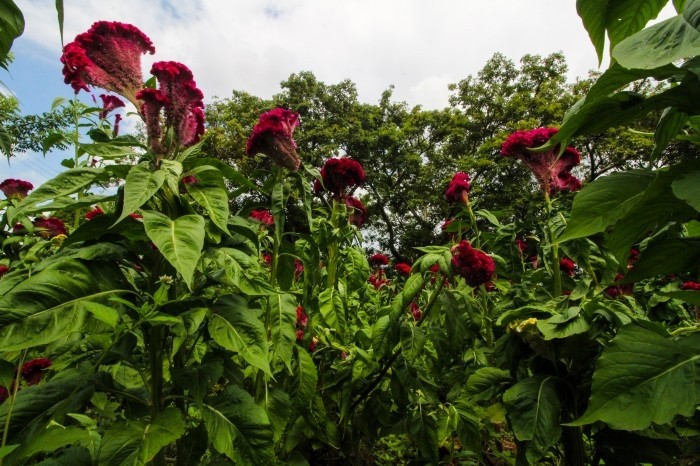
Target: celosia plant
(357, 210)
(49, 227)
(340, 174)
(15, 189)
(272, 136)
(458, 189)
(475, 266)
(378, 260)
(403, 269)
(262, 216)
(32, 371)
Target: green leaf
(305, 380)
(602, 202)
(593, 13)
(138, 442)
(412, 340)
(486, 382)
(106, 314)
(227, 170)
(380, 333)
(687, 188)
(236, 327)
(570, 322)
(236, 268)
(533, 410)
(643, 378)
(52, 439)
(140, 186)
(65, 183)
(356, 266)
(180, 240)
(423, 430)
(679, 5)
(670, 124)
(626, 17)
(278, 407)
(11, 27)
(198, 379)
(60, 16)
(332, 311)
(665, 257)
(239, 428)
(279, 201)
(210, 192)
(664, 42)
(616, 77)
(283, 307)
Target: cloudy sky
(419, 46)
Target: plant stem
(156, 357)
(556, 273)
(15, 389)
(472, 219)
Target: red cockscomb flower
(32, 370)
(298, 269)
(109, 103)
(378, 280)
(690, 286)
(458, 189)
(314, 343)
(272, 136)
(415, 311)
(49, 227)
(358, 212)
(262, 216)
(3, 270)
(153, 101)
(403, 269)
(474, 265)
(4, 394)
(267, 258)
(341, 173)
(567, 266)
(619, 290)
(521, 245)
(302, 318)
(93, 213)
(108, 55)
(553, 173)
(378, 260)
(17, 189)
(189, 179)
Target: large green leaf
(283, 308)
(140, 186)
(687, 187)
(412, 340)
(138, 442)
(626, 17)
(305, 380)
(239, 428)
(356, 266)
(593, 13)
(670, 124)
(533, 410)
(236, 268)
(198, 379)
(423, 429)
(210, 192)
(278, 407)
(643, 378)
(11, 27)
(237, 328)
(332, 311)
(602, 202)
(665, 257)
(662, 43)
(51, 439)
(180, 240)
(65, 183)
(570, 322)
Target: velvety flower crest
(262, 216)
(49, 227)
(415, 310)
(403, 268)
(93, 213)
(3, 270)
(690, 286)
(109, 103)
(357, 210)
(272, 136)
(458, 189)
(341, 173)
(378, 260)
(475, 266)
(567, 266)
(32, 371)
(108, 55)
(15, 189)
(552, 172)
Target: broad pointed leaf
(141, 184)
(283, 308)
(210, 192)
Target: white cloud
(253, 45)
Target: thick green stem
(556, 272)
(12, 399)
(472, 219)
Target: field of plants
(160, 305)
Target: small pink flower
(272, 136)
(17, 189)
(32, 370)
(378, 260)
(403, 269)
(262, 216)
(458, 189)
(341, 173)
(94, 213)
(567, 266)
(474, 265)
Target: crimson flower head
(262, 216)
(4, 394)
(553, 173)
(302, 318)
(298, 268)
(272, 136)
(17, 189)
(521, 245)
(690, 286)
(378, 260)
(403, 269)
(415, 311)
(458, 189)
(189, 179)
(619, 290)
(49, 227)
(378, 280)
(474, 265)
(108, 55)
(567, 266)
(3, 270)
(93, 213)
(109, 103)
(358, 212)
(341, 173)
(32, 370)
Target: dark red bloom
(435, 268)
(262, 216)
(341, 173)
(189, 179)
(300, 334)
(633, 258)
(474, 265)
(109, 103)
(489, 286)
(314, 343)
(458, 189)
(358, 212)
(135, 216)
(153, 102)
(378, 260)
(567, 266)
(415, 311)
(17, 189)
(3, 270)
(552, 172)
(302, 318)
(298, 269)
(108, 55)
(32, 370)
(94, 213)
(4, 394)
(272, 136)
(403, 269)
(49, 227)
(267, 258)
(378, 280)
(522, 245)
(446, 224)
(619, 290)
(690, 286)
